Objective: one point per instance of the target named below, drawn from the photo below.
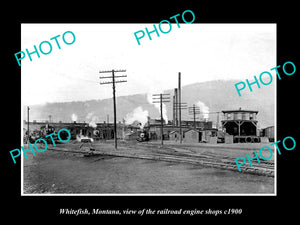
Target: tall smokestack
(174, 106)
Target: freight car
(268, 132)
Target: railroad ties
(169, 154)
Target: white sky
(201, 52)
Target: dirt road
(65, 172)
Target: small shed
(174, 135)
(209, 136)
(192, 136)
(228, 138)
(269, 133)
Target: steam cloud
(74, 117)
(93, 119)
(165, 115)
(204, 110)
(138, 114)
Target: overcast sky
(201, 52)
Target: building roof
(192, 130)
(239, 110)
(174, 131)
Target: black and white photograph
(150, 111)
(160, 116)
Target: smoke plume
(204, 110)
(74, 117)
(138, 114)
(93, 119)
(165, 115)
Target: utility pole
(113, 82)
(194, 115)
(162, 98)
(176, 104)
(182, 106)
(217, 125)
(28, 122)
(179, 104)
(161, 121)
(194, 110)
(123, 131)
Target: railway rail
(178, 155)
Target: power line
(28, 123)
(163, 98)
(194, 110)
(179, 104)
(113, 82)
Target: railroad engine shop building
(241, 125)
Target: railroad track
(169, 154)
(218, 161)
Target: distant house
(196, 136)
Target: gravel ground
(57, 172)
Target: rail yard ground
(146, 168)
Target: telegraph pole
(28, 122)
(162, 98)
(179, 104)
(113, 82)
(176, 104)
(161, 121)
(123, 131)
(194, 115)
(194, 110)
(179, 108)
(217, 125)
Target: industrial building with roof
(241, 125)
(237, 126)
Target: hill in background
(215, 95)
